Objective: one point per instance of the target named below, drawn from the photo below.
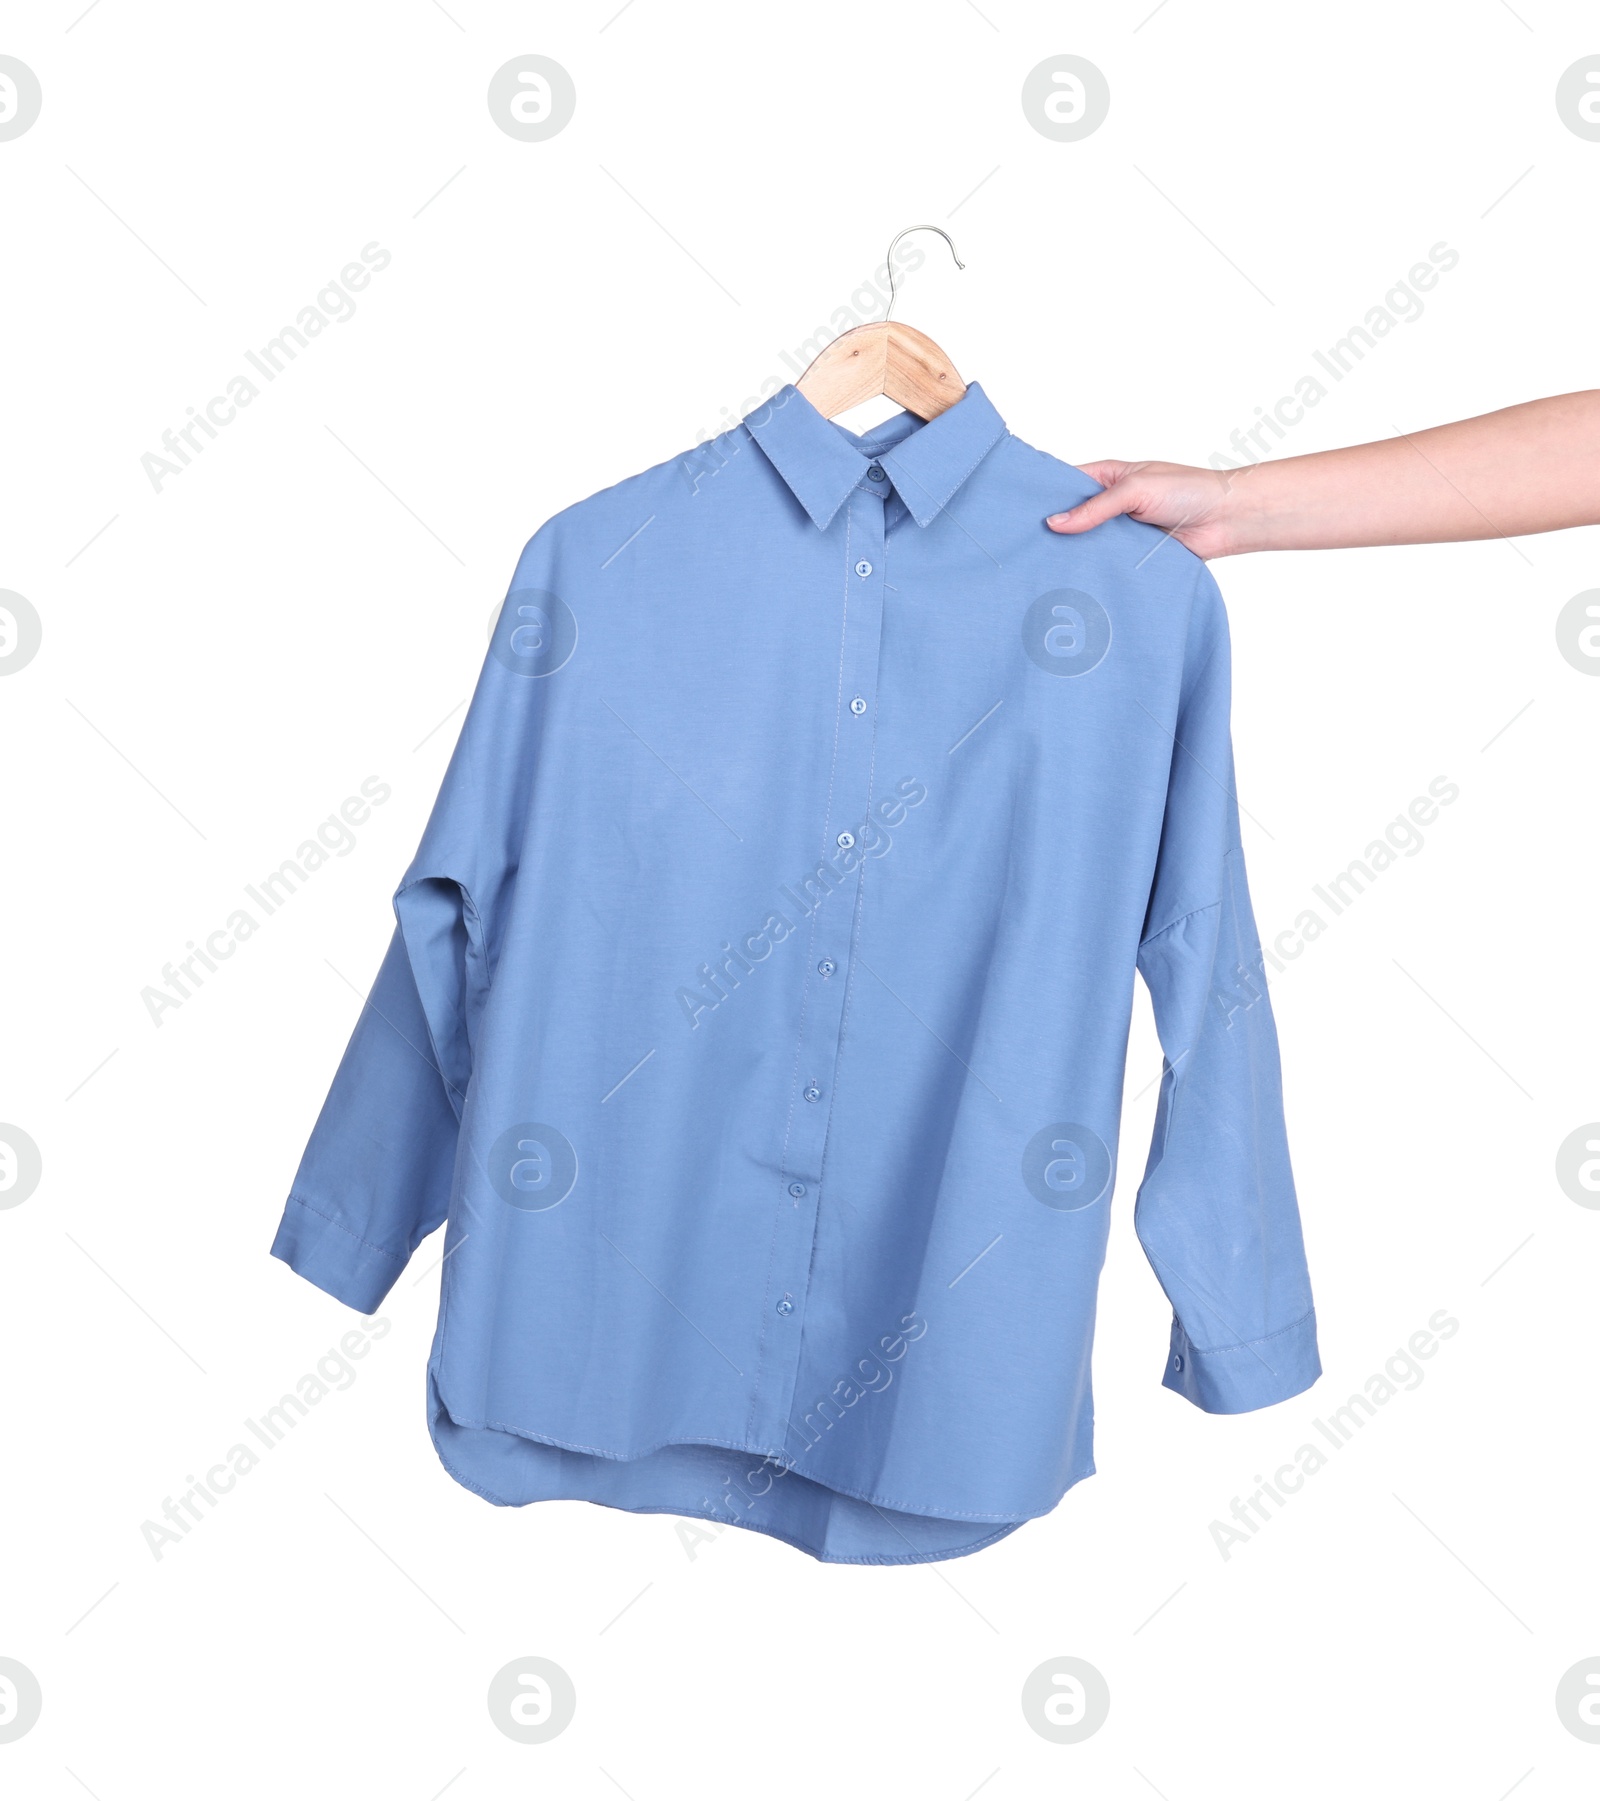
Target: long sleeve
(377, 1172)
(1216, 1212)
(375, 1177)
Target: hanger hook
(889, 257)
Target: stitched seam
(823, 1556)
(855, 945)
(940, 503)
(1171, 923)
(727, 1519)
(813, 1550)
(377, 1250)
(926, 1509)
(795, 481)
(1002, 433)
(805, 1000)
(861, 889)
(1247, 1344)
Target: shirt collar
(822, 462)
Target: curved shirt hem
(1003, 1524)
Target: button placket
(827, 970)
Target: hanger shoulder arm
(920, 377)
(851, 369)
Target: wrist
(1246, 517)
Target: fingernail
(1058, 519)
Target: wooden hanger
(895, 360)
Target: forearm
(1528, 468)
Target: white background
(225, 660)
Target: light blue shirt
(756, 1018)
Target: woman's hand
(1195, 506)
(1528, 468)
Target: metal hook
(889, 258)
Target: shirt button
(1177, 1363)
(846, 840)
(874, 474)
(826, 967)
(786, 1306)
(858, 706)
(863, 568)
(813, 1092)
(797, 1189)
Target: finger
(1106, 474)
(1118, 498)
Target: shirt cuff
(334, 1259)
(1242, 1377)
